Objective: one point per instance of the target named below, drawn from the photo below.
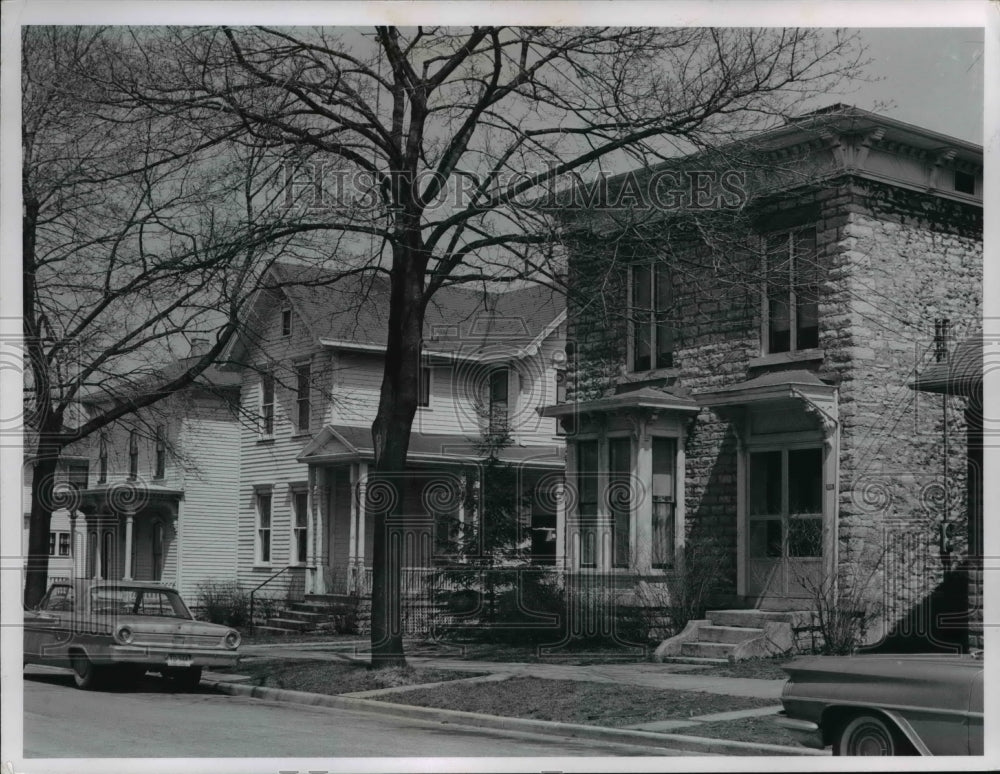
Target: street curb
(457, 717)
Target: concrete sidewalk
(647, 674)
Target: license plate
(178, 661)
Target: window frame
(160, 458)
(133, 455)
(266, 405)
(424, 387)
(286, 322)
(657, 317)
(303, 396)
(262, 547)
(299, 531)
(64, 543)
(792, 254)
(493, 403)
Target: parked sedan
(886, 704)
(125, 629)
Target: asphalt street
(152, 720)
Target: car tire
(187, 679)
(870, 735)
(86, 674)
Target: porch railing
(294, 578)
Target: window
(107, 554)
(786, 503)
(102, 461)
(560, 398)
(300, 530)
(133, 455)
(52, 544)
(964, 182)
(664, 462)
(791, 292)
(303, 383)
(264, 527)
(498, 400)
(286, 322)
(653, 331)
(161, 453)
(586, 469)
(424, 396)
(619, 497)
(267, 405)
(78, 474)
(63, 544)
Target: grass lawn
(757, 668)
(337, 677)
(574, 701)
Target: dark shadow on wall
(939, 623)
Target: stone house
(311, 361)
(739, 370)
(154, 494)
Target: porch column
(129, 518)
(642, 508)
(568, 546)
(98, 548)
(356, 549)
(605, 546)
(312, 516)
(73, 554)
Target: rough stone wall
(893, 261)
(902, 260)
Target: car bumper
(154, 658)
(805, 732)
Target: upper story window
(651, 300)
(303, 384)
(498, 386)
(791, 294)
(160, 465)
(424, 395)
(561, 378)
(133, 454)
(267, 405)
(286, 322)
(102, 461)
(78, 474)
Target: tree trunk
(391, 436)
(42, 494)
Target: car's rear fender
(834, 719)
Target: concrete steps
(315, 614)
(733, 635)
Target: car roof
(85, 584)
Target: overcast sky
(932, 77)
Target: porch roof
(960, 374)
(344, 443)
(662, 399)
(123, 496)
(776, 386)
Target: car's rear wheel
(187, 679)
(86, 674)
(870, 735)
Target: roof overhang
(646, 399)
(341, 444)
(773, 389)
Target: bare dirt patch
(337, 677)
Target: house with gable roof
(311, 360)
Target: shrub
(706, 567)
(223, 602)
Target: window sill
(264, 566)
(644, 376)
(265, 439)
(782, 358)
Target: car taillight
(233, 640)
(124, 635)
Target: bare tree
(447, 133)
(137, 235)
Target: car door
(976, 716)
(47, 629)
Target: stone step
(332, 599)
(307, 616)
(727, 634)
(332, 607)
(703, 660)
(755, 618)
(719, 650)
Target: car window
(59, 599)
(161, 603)
(112, 600)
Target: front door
(784, 546)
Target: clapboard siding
(208, 521)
